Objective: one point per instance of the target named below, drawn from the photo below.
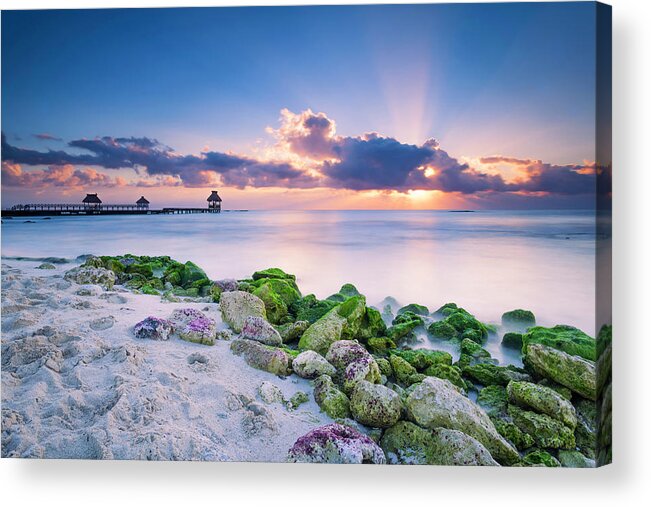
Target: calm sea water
(488, 262)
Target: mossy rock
(275, 307)
(348, 290)
(447, 372)
(567, 339)
(443, 330)
(415, 309)
(462, 321)
(421, 359)
(311, 309)
(513, 434)
(540, 458)
(380, 345)
(512, 340)
(447, 309)
(494, 400)
(148, 289)
(546, 431)
(491, 374)
(473, 349)
(330, 399)
(372, 325)
(404, 372)
(273, 273)
(519, 318)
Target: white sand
(78, 392)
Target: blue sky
(482, 79)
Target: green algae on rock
(519, 318)
(330, 399)
(540, 458)
(547, 432)
(237, 306)
(567, 339)
(573, 372)
(408, 444)
(436, 403)
(542, 399)
(263, 357)
(375, 405)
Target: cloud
(55, 176)
(47, 137)
(307, 153)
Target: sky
(341, 107)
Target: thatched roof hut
(92, 199)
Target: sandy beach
(77, 383)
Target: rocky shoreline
(286, 376)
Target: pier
(92, 205)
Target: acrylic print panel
(381, 236)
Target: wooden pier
(92, 205)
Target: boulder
(263, 357)
(403, 326)
(474, 349)
(574, 459)
(335, 443)
(512, 340)
(323, 333)
(442, 330)
(292, 331)
(275, 308)
(489, 374)
(414, 308)
(310, 364)
(540, 458)
(403, 372)
(310, 309)
(364, 368)
(447, 372)
(91, 275)
(194, 326)
(573, 372)
(330, 399)
(408, 444)
(258, 329)
(237, 305)
(46, 265)
(270, 393)
(372, 326)
(546, 432)
(343, 352)
(375, 405)
(520, 319)
(513, 434)
(436, 403)
(542, 399)
(494, 400)
(567, 339)
(421, 359)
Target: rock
(403, 372)
(335, 443)
(414, 308)
(380, 345)
(375, 405)
(309, 364)
(273, 273)
(546, 432)
(194, 326)
(473, 349)
(462, 322)
(574, 459)
(46, 265)
(364, 368)
(436, 403)
(258, 421)
(490, 374)
(292, 331)
(270, 393)
(567, 339)
(330, 399)
(153, 328)
(573, 372)
(513, 434)
(494, 400)
(297, 400)
(408, 444)
(586, 429)
(372, 326)
(102, 323)
(323, 333)
(512, 340)
(344, 352)
(403, 326)
(421, 359)
(540, 458)
(197, 358)
(310, 309)
(542, 399)
(520, 319)
(258, 329)
(262, 357)
(442, 330)
(90, 291)
(237, 305)
(92, 276)
(447, 372)
(275, 308)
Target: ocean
(488, 262)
